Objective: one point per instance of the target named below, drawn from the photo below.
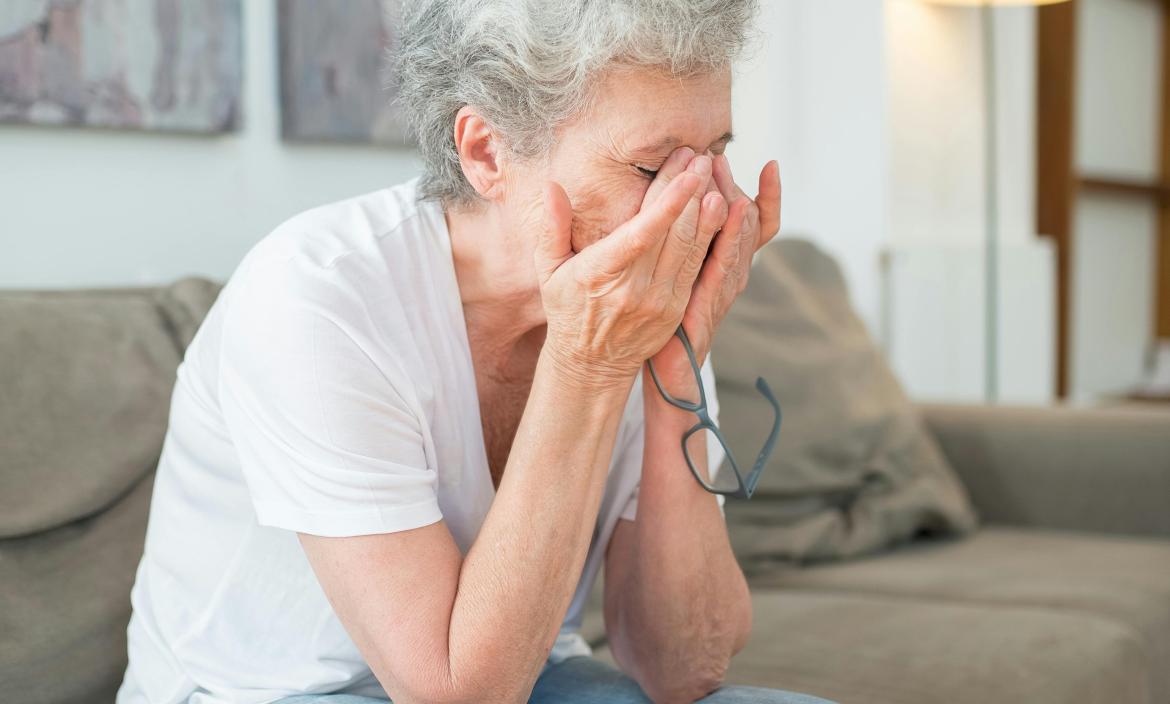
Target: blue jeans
(584, 680)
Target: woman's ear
(478, 147)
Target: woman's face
(606, 159)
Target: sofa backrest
(85, 385)
(854, 470)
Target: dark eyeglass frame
(747, 486)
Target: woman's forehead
(646, 113)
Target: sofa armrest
(1102, 470)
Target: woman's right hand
(613, 305)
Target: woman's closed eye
(648, 173)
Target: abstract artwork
(333, 80)
(138, 64)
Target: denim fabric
(584, 680)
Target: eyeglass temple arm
(770, 443)
(681, 334)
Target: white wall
(875, 110)
(1112, 294)
(1119, 44)
(937, 124)
(815, 98)
(935, 303)
(87, 207)
(936, 171)
(935, 338)
(872, 107)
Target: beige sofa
(1062, 596)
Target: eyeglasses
(742, 487)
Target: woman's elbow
(693, 686)
(743, 630)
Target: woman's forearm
(518, 578)
(684, 608)
(608, 309)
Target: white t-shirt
(330, 391)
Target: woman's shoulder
(326, 234)
(340, 259)
(346, 241)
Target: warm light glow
(994, 3)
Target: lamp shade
(992, 3)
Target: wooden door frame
(1055, 165)
(1162, 266)
(1058, 181)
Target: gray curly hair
(528, 66)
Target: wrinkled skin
(604, 161)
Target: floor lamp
(991, 195)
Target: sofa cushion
(1003, 616)
(1103, 469)
(65, 602)
(1123, 580)
(887, 650)
(86, 397)
(854, 471)
(86, 383)
(185, 304)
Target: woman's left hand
(750, 224)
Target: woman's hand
(614, 304)
(749, 225)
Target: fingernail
(701, 165)
(680, 156)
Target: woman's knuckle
(626, 301)
(665, 305)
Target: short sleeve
(315, 409)
(632, 452)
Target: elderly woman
(413, 426)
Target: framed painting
(334, 84)
(150, 64)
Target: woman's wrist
(580, 376)
(675, 374)
(658, 412)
